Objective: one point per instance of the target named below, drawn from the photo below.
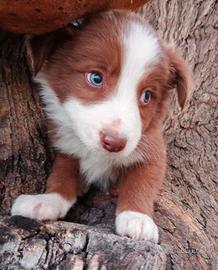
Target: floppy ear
(179, 75)
(40, 48)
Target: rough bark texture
(27, 244)
(187, 209)
(24, 153)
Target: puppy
(105, 86)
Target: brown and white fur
(132, 59)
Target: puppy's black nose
(112, 142)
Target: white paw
(48, 206)
(137, 226)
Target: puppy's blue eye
(95, 78)
(145, 96)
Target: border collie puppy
(105, 86)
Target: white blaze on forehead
(141, 50)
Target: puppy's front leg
(61, 192)
(138, 190)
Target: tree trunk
(24, 152)
(187, 209)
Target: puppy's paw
(48, 206)
(137, 226)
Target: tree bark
(187, 209)
(28, 244)
(25, 157)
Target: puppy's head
(107, 83)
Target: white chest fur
(98, 170)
